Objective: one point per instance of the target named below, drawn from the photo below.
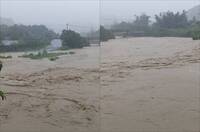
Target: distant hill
(194, 12)
(6, 21)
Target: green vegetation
(53, 58)
(196, 35)
(195, 31)
(27, 37)
(44, 54)
(93, 37)
(30, 38)
(72, 39)
(2, 95)
(1, 65)
(5, 57)
(167, 24)
(139, 27)
(35, 37)
(171, 20)
(105, 34)
(71, 52)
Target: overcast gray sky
(55, 14)
(118, 10)
(86, 13)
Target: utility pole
(67, 26)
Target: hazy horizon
(135, 7)
(54, 14)
(85, 15)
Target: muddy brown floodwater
(127, 85)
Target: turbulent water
(126, 85)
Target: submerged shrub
(71, 52)
(53, 58)
(44, 54)
(196, 35)
(5, 57)
(2, 95)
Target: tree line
(36, 37)
(168, 24)
(27, 37)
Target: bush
(196, 36)
(106, 34)
(72, 39)
(44, 54)
(1, 65)
(53, 58)
(195, 31)
(5, 57)
(71, 52)
(2, 95)
(28, 37)
(24, 45)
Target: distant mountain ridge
(6, 21)
(194, 12)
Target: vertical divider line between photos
(199, 81)
(100, 57)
